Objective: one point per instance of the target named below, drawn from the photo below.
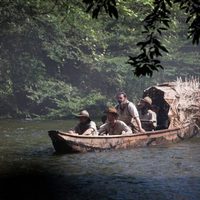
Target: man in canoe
(147, 115)
(128, 113)
(85, 126)
(113, 126)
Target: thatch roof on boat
(175, 102)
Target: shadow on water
(29, 170)
(36, 184)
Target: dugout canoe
(68, 143)
(177, 105)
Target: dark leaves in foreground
(143, 65)
(192, 9)
(154, 24)
(95, 6)
(151, 48)
(146, 62)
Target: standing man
(128, 113)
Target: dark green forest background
(56, 60)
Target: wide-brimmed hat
(83, 113)
(147, 100)
(111, 110)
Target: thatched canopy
(175, 102)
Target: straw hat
(111, 110)
(147, 100)
(83, 113)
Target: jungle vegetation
(56, 59)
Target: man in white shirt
(128, 113)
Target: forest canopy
(55, 59)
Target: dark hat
(83, 113)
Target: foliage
(154, 24)
(95, 5)
(55, 59)
(58, 99)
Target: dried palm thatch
(177, 102)
(188, 105)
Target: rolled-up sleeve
(126, 130)
(93, 126)
(103, 129)
(133, 110)
(154, 119)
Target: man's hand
(72, 132)
(142, 130)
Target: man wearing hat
(113, 126)
(147, 116)
(85, 125)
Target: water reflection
(29, 169)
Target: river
(29, 168)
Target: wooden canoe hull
(68, 143)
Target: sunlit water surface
(29, 169)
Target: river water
(29, 168)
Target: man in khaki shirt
(113, 126)
(147, 116)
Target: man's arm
(89, 131)
(103, 129)
(154, 119)
(138, 122)
(126, 129)
(134, 113)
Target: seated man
(112, 125)
(147, 116)
(85, 125)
